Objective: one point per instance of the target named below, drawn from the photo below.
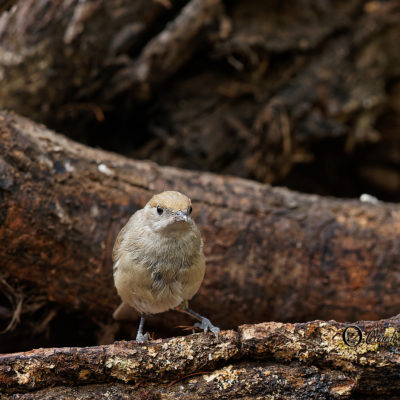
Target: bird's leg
(140, 338)
(204, 323)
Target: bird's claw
(206, 325)
(140, 338)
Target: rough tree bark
(87, 47)
(263, 84)
(280, 77)
(272, 254)
(287, 361)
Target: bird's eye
(159, 210)
(190, 209)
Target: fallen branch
(272, 254)
(302, 361)
(250, 89)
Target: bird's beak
(181, 216)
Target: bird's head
(169, 210)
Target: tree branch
(294, 360)
(272, 254)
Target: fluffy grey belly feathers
(154, 287)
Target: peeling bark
(296, 361)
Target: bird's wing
(116, 253)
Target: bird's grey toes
(215, 331)
(206, 325)
(140, 338)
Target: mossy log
(292, 361)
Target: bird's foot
(140, 338)
(206, 325)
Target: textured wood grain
(272, 254)
(297, 93)
(296, 361)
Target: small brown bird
(158, 260)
